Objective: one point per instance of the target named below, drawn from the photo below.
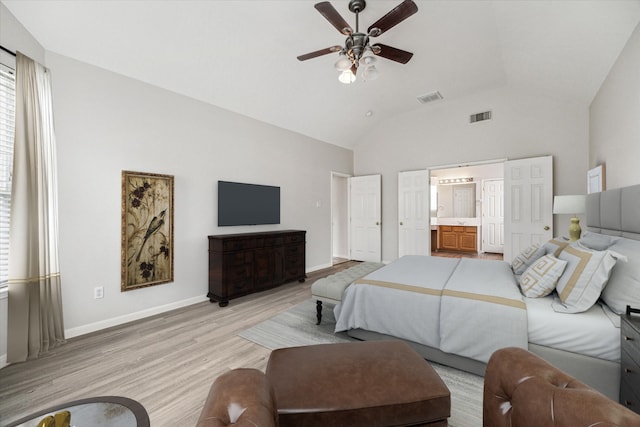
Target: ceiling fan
(352, 54)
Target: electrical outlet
(98, 292)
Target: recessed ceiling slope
(241, 55)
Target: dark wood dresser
(630, 360)
(241, 264)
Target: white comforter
(463, 306)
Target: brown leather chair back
(521, 389)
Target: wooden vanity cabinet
(458, 238)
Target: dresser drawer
(630, 339)
(293, 250)
(237, 259)
(238, 245)
(265, 242)
(630, 370)
(627, 396)
(294, 238)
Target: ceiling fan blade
(332, 15)
(393, 18)
(319, 53)
(391, 53)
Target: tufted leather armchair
(522, 390)
(242, 398)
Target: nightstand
(630, 360)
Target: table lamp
(572, 205)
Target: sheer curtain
(35, 301)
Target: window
(7, 126)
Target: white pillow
(541, 277)
(525, 258)
(623, 287)
(555, 246)
(585, 275)
(598, 242)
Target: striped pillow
(540, 279)
(586, 274)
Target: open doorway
(339, 218)
(468, 213)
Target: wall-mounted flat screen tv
(247, 204)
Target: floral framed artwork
(147, 229)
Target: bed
(458, 311)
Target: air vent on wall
(480, 117)
(429, 97)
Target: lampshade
(343, 64)
(347, 77)
(569, 204)
(370, 73)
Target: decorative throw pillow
(623, 287)
(525, 258)
(555, 246)
(541, 277)
(585, 275)
(598, 242)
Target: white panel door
(414, 231)
(528, 201)
(493, 216)
(366, 236)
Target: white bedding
(461, 306)
(470, 308)
(592, 333)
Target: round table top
(95, 411)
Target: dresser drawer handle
(628, 371)
(626, 338)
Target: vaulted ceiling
(241, 55)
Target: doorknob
(546, 228)
(377, 223)
(401, 223)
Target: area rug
(297, 326)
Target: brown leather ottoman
(373, 383)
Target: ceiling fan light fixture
(370, 73)
(356, 45)
(368, 60)
(347, 77)
(343, 64)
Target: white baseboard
(109, 323)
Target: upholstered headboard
(615, 212)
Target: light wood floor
(166, 362)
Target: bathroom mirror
(457, 200)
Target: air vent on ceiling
(480, 117)
(429, 97)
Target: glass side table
(104, 411)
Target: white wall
(523, 125)
(106, 123)
(614, 137)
